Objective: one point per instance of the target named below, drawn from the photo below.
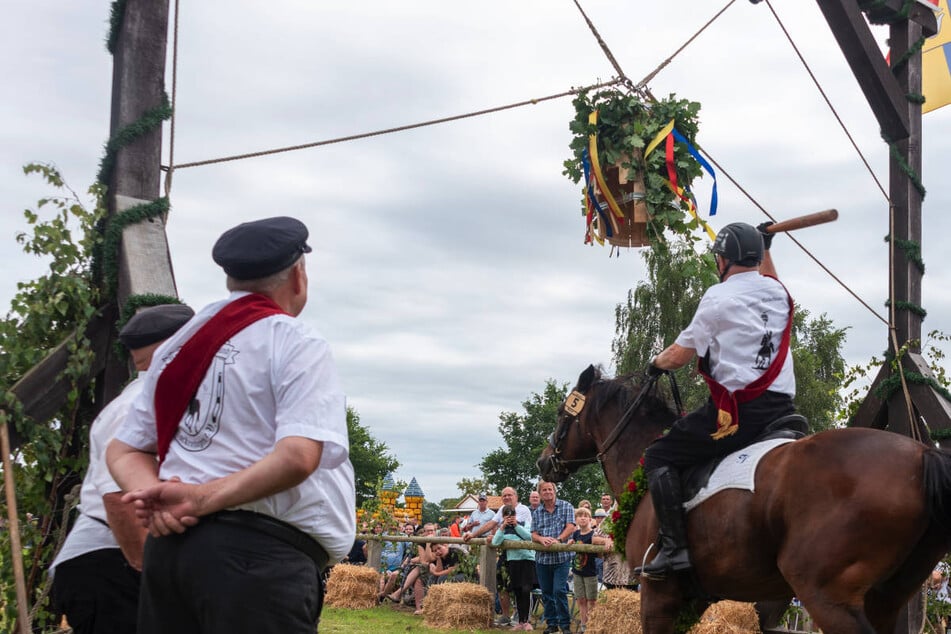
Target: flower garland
(627, 503)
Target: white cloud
(448, 271)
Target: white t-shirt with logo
(274, 379)
(741, 322)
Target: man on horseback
(748, 312)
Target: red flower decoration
(632, 486)
(615, 516)
(641, 461)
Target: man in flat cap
(96, 572)
(236, 453)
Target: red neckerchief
(179, 381)
(727, 403)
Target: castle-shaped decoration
(414, 498)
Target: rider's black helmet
(740, 243)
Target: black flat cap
(253, 250)
(153, 324)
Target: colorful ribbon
(593, 207)
(596, 170)
(669, 134)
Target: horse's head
(570, 446)
(604, 420)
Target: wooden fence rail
(488, 555)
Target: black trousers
(98, 592)
(218, 578)
(688, 442)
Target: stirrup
(670, 563)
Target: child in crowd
(443, 569)
(583, 567)
(519, 564)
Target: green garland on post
(113, 236)
(149, 120)
(892, 384)
(116, 16)
(912, 251)
(910, 307)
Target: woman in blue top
(519, 564)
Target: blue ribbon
(589, 192)
(704, 164)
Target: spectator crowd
(409, 569)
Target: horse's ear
(587, 378)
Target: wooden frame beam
(869, 67)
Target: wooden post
(900, 118)
(138, 86)
(488, 558)
(374, 554)
(13, 526)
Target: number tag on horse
(574, 403)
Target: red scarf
(727, 403)
(179, 381)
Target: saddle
(792, 427)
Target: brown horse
(850, 521)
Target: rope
(643, 83)
(822, 92)
(171, 124)
(641, 87)
(604, 46)
(795, 241)
(412, 126)
(914, 432)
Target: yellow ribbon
(596, 168)
(663, 134)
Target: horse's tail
(937, 486)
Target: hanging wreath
(637, 161)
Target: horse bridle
(564, 467)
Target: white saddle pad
(736, 471)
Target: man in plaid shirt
(553, 522)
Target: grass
(382, 619)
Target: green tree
(370, 457)
(525, 435)
(473, 486)
(658, 308)
(819, 366)
(432, 513)
(44, 313)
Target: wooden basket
(629, 193)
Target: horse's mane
(622, 391)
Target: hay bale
(616, 612)
(728, 617)
(353, 587)
(458, 606)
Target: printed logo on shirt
(203, 418)
(766, 348)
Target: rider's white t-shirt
(740, 322)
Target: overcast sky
(449, 272)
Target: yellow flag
(936, 63)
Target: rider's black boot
(666, 492)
